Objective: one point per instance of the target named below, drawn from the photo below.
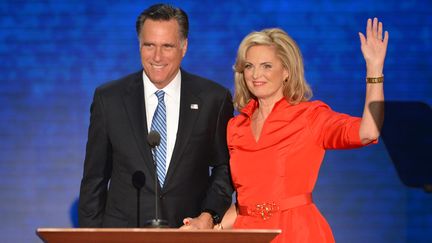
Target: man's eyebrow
(169, 44)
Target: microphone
(153, 139)
(138, 181)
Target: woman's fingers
(369, 29)
(380, 31)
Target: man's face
(162, 50)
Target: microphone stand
(138, 181)
(138, 208)
(156, 222)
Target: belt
(266, 210)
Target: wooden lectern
(132, 235)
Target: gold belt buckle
(265, 210)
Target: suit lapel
(134, 103)
(190, 105)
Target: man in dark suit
(196, 112)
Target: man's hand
(204, 221)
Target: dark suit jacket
(117, 147)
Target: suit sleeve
(97, 168)
(219, 194)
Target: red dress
(275, 176)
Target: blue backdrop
(55, 52)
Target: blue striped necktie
(159, 125)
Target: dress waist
(267, 209)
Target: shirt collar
(172, 89)
(253, 104)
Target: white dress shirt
(172, 104)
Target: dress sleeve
(333, 130)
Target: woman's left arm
(373, 47)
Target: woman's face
(264, 72)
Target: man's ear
(185, 45)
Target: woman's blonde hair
(295, 88)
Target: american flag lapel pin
(194, 106)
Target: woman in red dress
(278, 140)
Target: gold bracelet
(375, 80)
